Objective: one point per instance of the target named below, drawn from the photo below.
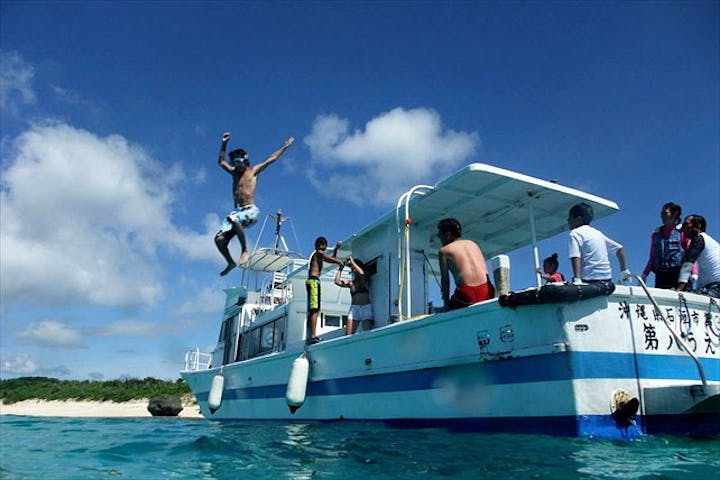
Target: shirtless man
(466, 262)
(312, 285)
(245, 214)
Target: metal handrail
(677, 337)
(193, 360)
(403, 231)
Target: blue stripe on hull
(696, 425)
(566, 426)
(540, 368)
(601, 426)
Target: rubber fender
(297, 383)
(216, 392)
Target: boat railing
(196, 360)
(277, 290)
(403, 232)
(677, 337)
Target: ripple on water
(80, 449)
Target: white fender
(297, 383)
(216, 391)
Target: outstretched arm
(356, 268)
(338, 281)
(221, 158)
(262, 166)
(330, 258)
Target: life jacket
(668, 252)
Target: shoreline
(73, 408)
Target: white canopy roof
(493, 205)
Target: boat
(567, 360)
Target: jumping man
(245, 214)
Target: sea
(180, 448)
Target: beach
(57, 408)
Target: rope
(432, 270)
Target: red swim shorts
(465, 295)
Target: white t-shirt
(594, 250)
(709, 262)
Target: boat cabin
(500, 209)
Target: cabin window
(241, 349)
(332, 320)
(279, 335)
(263, 339)
(223, 329)
(267, 333)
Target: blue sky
(112, 114)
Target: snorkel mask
(240, 158)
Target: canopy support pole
(536, 256)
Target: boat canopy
(501, 209)
(269, 260)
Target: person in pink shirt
(667, 246)
(550, 266)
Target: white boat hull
(548, 369)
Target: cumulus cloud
(16, 78)
(203, 302)
(84, 219)
(51, 333)
(395, 151)
(18, 364)
(129, 328)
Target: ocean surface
(164, 448)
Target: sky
(112, 114)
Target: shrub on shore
(45, 388)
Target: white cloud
(19, 364)
(130, 328)
(396, 150)
(74, 99)
(84, 219)
(204, 302)
(51, 333)
(16, 78)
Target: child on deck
(550, 266)
(312, 285)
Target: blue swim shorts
(247, 216)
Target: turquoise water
(163, 448)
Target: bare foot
(244, 258)
(228, 269)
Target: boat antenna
(279, 219)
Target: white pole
(531, 210)
(407, 244)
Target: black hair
(451, 226)
(675, 209)
(239, 152)
(697, 221)
(552, 260)
(320, 241)
(582, 210)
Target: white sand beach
(56, 408)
